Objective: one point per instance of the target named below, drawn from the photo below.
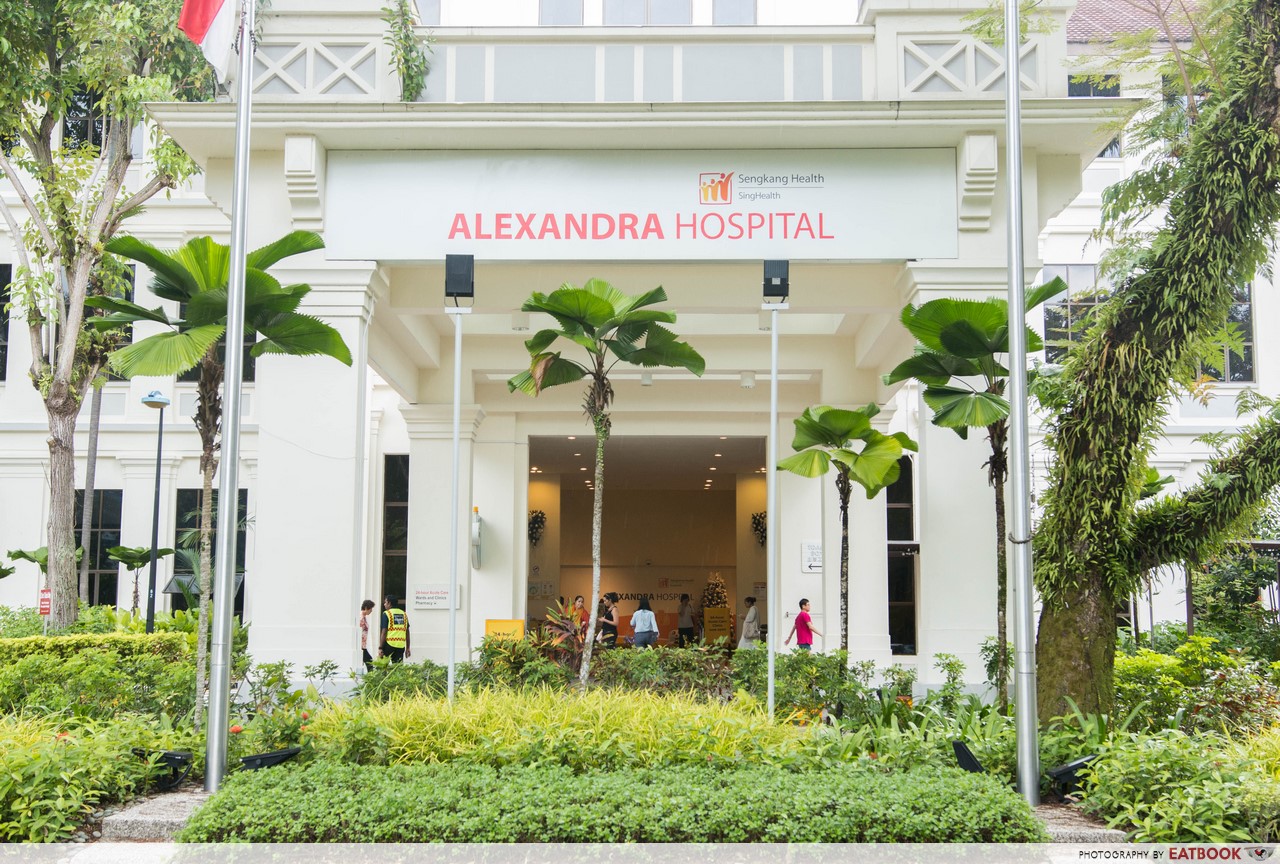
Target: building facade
(668, 142)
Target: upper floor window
(652, 13)
(6, 275)
(82, 123)
(429, 12)
(727, 13)
(560, 12)
(1236, 367)
(1068, 316)
(1107, 85)
(904, 553)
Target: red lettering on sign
(460, 228)
(601, 226)
(627, 224)
(653, 227)
(550, 228)
(502, 226)
(526, 226)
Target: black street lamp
(155, 399)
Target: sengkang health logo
(715, 187)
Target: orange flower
(305, 716)
(237, 729)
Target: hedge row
(326, 802)
(169, 646)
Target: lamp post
(155, 399)
(459, 281)
(777, 285)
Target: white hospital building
(556, 141)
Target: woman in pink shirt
(803, 629)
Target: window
(82, 123)
(560, 12)
(654, 13)
(1237, 368)
(429, 12)
(395, 525)
(104, 532)
(904, 552)
(1107, 85)
(6, 275)
(187, 541)
(1068, 317)
(728, 13)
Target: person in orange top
(579, 611)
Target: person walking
(579, 613)
(363, 623)
(684, 621)
(645, 625)
(393, 636)
(609, 621)
(750, 625)
(803, 629)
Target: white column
(308, 512)
(24, 517)
(956, 593)
(501, 491)
(868, 576)
(430, 476)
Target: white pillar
(139, 489)
(308, 513)
(430, 476)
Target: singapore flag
(211, 24)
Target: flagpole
(233, 375)
(1026, 719)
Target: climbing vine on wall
(408, 49)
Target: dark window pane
(104, 532)
(902, 629)
(1112, 150)
(82, 123)
(902, 578)
(902, 490)
(396, 488)
(900, 524)
(1242, 314)
(1240, 366)
(394, 568)
(395, 528)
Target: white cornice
(1058, 126)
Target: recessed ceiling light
(577, 454)
(717, 455)
(573, 437)
(724, 437)
(583, 468)
(712, 468)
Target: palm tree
(825, 435)
(196, 277)
(134, 558)
(612, 327)
(960, 342)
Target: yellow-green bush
(170, 646)
(582, 731)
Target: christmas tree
(715, 596)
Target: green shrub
(389, 680)
(438, 803)
(169, 646)
(1170, 787)
(807, 682)
(98, 684)
(700, 669)
(52, 773)
(515, 663)
(21, 621)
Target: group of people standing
(644, 623)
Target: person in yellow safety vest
(394, 634)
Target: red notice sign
(45, 603)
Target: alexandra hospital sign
(642, 205)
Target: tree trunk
(90, 470)
(61, 573)
(1002, 604)
(1086, 620)
(1191, 610)
(597, 518)
(843, 487)
(208, 466)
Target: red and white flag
(211, 24)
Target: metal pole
(457, 312)
(155, 532)
(1019, 447)
(229, 484)
(771, 500)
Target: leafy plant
(612, 328)
(546, 803)
(408, 51)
